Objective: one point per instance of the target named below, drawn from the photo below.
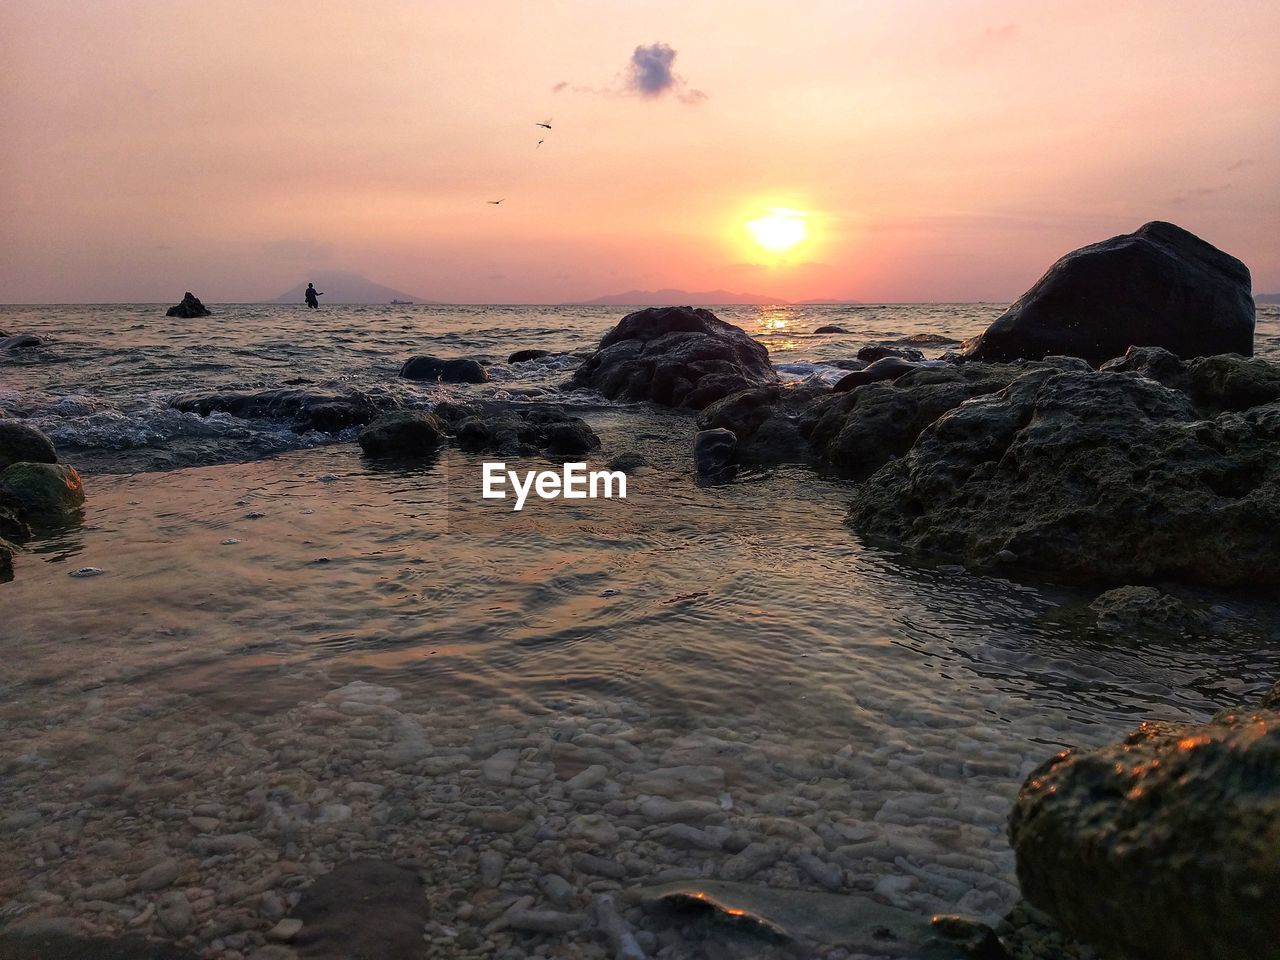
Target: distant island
(339, 286)
(1266, 298)
(718, 298)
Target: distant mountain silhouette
(339, 286)
(666, 298)
(1266, 298)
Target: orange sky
(941, 150)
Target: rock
(545, 921)
(524, 356)
(402, 433)
(174, 913)
(309, 410)
(879, 351)
(1215, 384)
(189, 307)
(458, 370)
(1163, 845)
(1159, 286)
(491, 863)
(520, 430)
(285, 930)
(766, 422)
(831, 328)
(158, 876)
(1088, 477)
(20, 442)
(364, 908)
(45, 494)
(21, 341)
(975, 938)
(628, 461)
(1147, 611)
(6, 560)
(884, 368)
(713, 451)
(675, 356)
(61, 941)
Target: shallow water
(864, 721)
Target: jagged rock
(523, 430)
(45, 494)
(402, 433)
(1225, 382)
(189, 307)
(1089, 477)
(1147, 611)
(1159, 286)
(1163, 846)
(21, 341)
(713, 451)
(21, 442)
(326, 412)
(448, 371)
(766, 422)
(675, 356)
(523, 356)
(878, 351)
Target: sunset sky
(917, 150)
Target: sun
(780, 230)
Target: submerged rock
(713, 451)
(45, 494)
(189, 307)
(327, 412)
(458, 370)
(1159, 286)
(402, 433)
(831, 328)
(1163, 846)
(21, 341)
(1089, 477)
(364, 908)
(1146, 610)
(879, 351)
(675, 356)
(524, 356)
(21, 442)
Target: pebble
(113, 889)
(158, 876)
(285, 930)
(174, 913)
(491, 864)
(749, 862)
(85, 572)
(556, 888)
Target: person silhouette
(311, 295)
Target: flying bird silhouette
(539, 143)
(546, 125)
(496, 202)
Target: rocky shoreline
(1127, 450)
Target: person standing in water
(311, 295)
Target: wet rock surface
(20, 441)
(21, 341)
(306, 409)
(674, 356)
(457, 370)
(1163, 845)
(402, 433)
(47, 495)
(1088, 477)
(1158, 286)
(713, 452)
(189, 308)
(525, 429)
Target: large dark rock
(518, 430)
(766, 422)
(22, 442)
(675, 356)
(308, 410)
(1089, 477)
(447, 371)
(189, 307)
(42, 494)
(1164, 846)
(21, 341)
(1160, 286)
(1215, 384)
(713, 452)
(402, 433)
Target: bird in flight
(540, 143)
(546, 125)
(496, 202)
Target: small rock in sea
(831, 328)
(713, 452)
(254, 515)
(84, 572)
(327, 477)
(610, 593)
(229, 541)
(189, 307)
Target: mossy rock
(45, 494)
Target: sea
(259, 634)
